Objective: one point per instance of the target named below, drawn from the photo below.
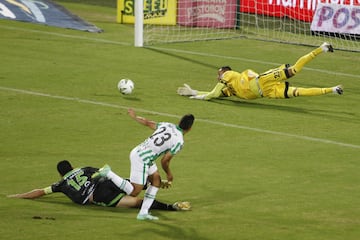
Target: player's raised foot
(102, 172)
(182, 206)
(338, 89)
(147, 216)
(326, 47)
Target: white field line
(332, 73)
(264, 131)
(66, 35)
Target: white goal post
(139, 24)
(305, 22)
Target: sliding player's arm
(202, 95)
(142, 120)
(215, 93)
(36, 193)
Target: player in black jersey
(78, 185)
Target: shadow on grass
(188, 59)
(165, 227)
(90, 210)
(131, 97)
(170, 230)
(175, 230)
(330, 114)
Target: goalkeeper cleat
(338, 89)
(147, 216)
(326, 47)
(182, 206)
(102, 172)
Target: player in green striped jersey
(166, 141)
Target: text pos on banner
(335, 18)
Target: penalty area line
(307, 138)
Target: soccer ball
(126, 86)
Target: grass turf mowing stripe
(307, 138)
(176, 50)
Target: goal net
(305, 22)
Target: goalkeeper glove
(186, 90)
(165, 184)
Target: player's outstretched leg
(182, 206)
(102, 172)
(123, 184)
(177, 206)
(301, 62)
(297, 92)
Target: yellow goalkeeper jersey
(242, 85)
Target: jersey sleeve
(56, 187)
(215, 93)
(48, 190)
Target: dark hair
(64, 167)
(186, 121)
(225, 68)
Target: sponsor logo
(208, 10)
(152, 8)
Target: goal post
(143, 13)
(304, 22)
(139, 24)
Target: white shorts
(139, 171)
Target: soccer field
(261, 169)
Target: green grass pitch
(262, 169)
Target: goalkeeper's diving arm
(186, 90)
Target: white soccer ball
(126, 86)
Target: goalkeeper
(271, 84)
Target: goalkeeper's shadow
(328, 113)
(256, 105)
(188, 59)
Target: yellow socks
(296, 92)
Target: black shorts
(107, 194)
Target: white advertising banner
(335, 18)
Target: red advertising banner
(207, 13)
(297, 9)
(334, 18)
